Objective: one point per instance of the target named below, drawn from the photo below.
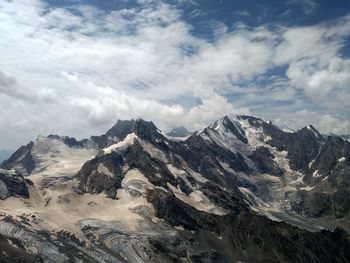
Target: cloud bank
(77, 69)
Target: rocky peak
(234, 127)
(143, 129)
(195, 200)
(225, 128)
(21, 160)
(312, 132)
(302, 146)
(121, 129)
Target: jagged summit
(21, 160)
(143, 129)
(135, 196)
(223, 131)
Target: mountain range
(239, 190)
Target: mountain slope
(133, 195)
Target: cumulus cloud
(319, 82)
(76, 69)
(324, 123)
(318, 72)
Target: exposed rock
(102, 174)
(218, 196)
(12, 184)
(302, 146)
(263, 160)
(22, 160)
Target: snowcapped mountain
(241, 189)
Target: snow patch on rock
(198, 200)
(8, 172)
(122, 145)
(341, 160)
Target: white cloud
(75, 70)
(319, 82)
(315, 64)
(324, 123)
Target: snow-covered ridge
(122, 145)
(54, 158)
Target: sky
(74, 67)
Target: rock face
(12, 184)
(21, 160)
(330, 179)
(103, 174)
(302, 146)
(240, 190)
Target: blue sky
(74, 67)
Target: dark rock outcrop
(144, 129)
(263, 160)
(261, 239)
(22, 159)
(12, 184)
(302, 146)
(70, 141)
(102, 174)
(199, 212)
(331, 180)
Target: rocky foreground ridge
(240, 190)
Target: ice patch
(341, 160)
(316, 174)
(307, 188)
(311, 163)
(217, 127)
